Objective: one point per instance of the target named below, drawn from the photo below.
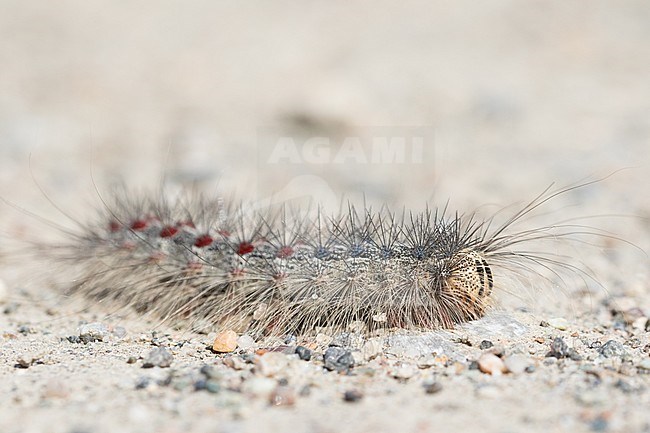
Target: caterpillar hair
(205, 263)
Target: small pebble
(245, 342)
(24, 329)
(516, 364)
(11, 308)
(559, 323)
(119, 331)
(432, 387)
(282, 396)
(341, 340)
(4, 292)
(559, 349)
(271, 363)
(485, 344)
(27, 360)
(142, 382)
(599, 424)
(259, 386)
(225, 341)
(235, 362)
(290, 340)
(212, 386)
(612, 349)
(158, 357)
(491, 364)
(338, 359)
(132, 360)
(210, 372)
(92, 332)
(403, 371)
(303, 353)
(56, 389)
(352, 396)
(371, 349)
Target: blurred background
(479, 102)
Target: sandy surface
(507, 97)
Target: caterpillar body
(201, 261)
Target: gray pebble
(559, 350)
(24, 329)
(11, 308)
(158, 357)
(303, 353)
(338, 359)
(432, 387)
(485, 344)
(212, 386)
(352, 396)
(341, 340)
(599, 424)
(210, 372)
(92, 332)
(142, 382)
(119, 331)
(612, 349)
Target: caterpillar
(198, 260)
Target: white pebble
(259, 386)
(516, 364)
(403, 371)
(559, 323)
(245, 342)
(271, 363)
(4, 292)
(372, 348)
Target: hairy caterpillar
(199, 260)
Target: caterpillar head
(470, 280)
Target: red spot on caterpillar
(193, 267)
(203, 241)
(129, 245)
(284, 252)
(156, 257)
(168, 232)
(185, 223)
(139, 225)
(114, 226)
(245, 248)
(237, 273)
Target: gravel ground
(509, 96)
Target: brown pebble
(282, 395)
(491, 364)
(225, 341)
